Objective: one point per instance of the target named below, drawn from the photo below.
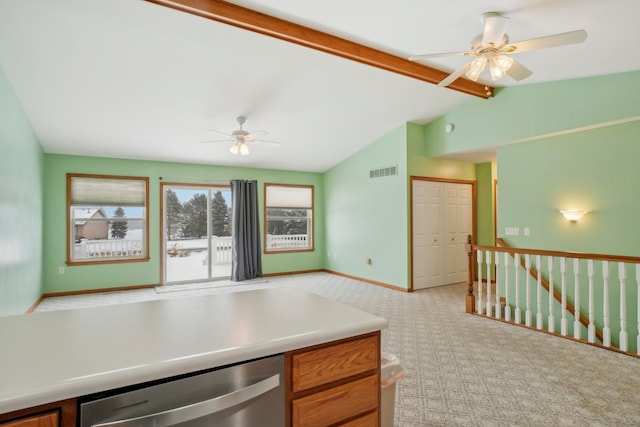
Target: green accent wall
(371, 217)
(21, 210)
(85, 277)
(519, 113)
(595, 170)
(367, 217)
(485, 177)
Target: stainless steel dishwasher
(246, 394)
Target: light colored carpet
(462, 370)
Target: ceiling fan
(241, 138)
(493, 47)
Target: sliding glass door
(196, 233)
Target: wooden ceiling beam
(238, 16)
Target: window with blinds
(288, 217)
(107, 219)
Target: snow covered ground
(194, 267)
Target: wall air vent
(379, 173)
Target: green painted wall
(530, 111)
(142, 273)
(420, 164)
(484, 196)
(367, 217)
(595, 170)
(20, 206)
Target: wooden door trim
(474, 219)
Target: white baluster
(563, 311)
(551, 327)
(624, 336)
(479, 305)
(507, 306)
(516, 265)
(591, 329)
(527, 313)
(638, 305)
(606, 329)
(539, 323)
(498, 305)
(488, 264)
(576, 307)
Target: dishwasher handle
(199, 409)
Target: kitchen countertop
(51, 356)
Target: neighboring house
(90, 230)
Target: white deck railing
(592, 298)
(220, 247)
(287, 241)
(108, 248)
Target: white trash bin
(390, 373)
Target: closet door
(458, 219)
(442, 220)
(428, 234)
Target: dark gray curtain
(246, 251)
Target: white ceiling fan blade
(272, 143)
(455, 75)
(258, 132)
(435, 55)
(221, 133)
(494, 28)
(518, 71)
(217, 140)
(562, 39)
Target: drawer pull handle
(334, 396)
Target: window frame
(144, 257)
(311, 235)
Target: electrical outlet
(60, 270)
(512, 231)
(527, 231)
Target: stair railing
(561, 282)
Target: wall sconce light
(573, 216)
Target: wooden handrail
(580, 255)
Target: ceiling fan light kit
(239, 148)
(240, 138)
(493, 47)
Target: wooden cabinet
(337, 383)
(57, 414)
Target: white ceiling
(131, 79)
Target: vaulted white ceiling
(132, 79)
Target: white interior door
(420, 238)
(428, 267)
(458, 227)
(442, 219)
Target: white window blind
(92, 191)
(278, 196)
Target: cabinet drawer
(50, 419)
(369, 420)
(337, 403)
(324, 365)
